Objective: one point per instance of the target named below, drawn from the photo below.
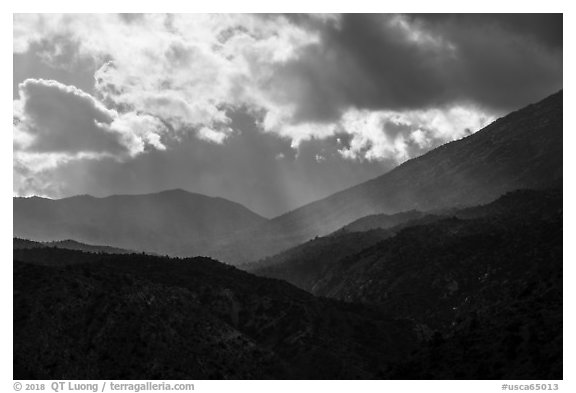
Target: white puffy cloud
(214, 136)
(51, 117)
(186, 69)
(379, 135)
(137, 131)
(55, 124)
(159, 76)
(419, 137)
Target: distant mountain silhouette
(519, 151)
(172, 222)
(24, 244)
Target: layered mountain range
(449, 266)
(474, 295)
(521, 150)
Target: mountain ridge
(170, 191)
(308, 263)
(174, 222)
(69, 244)
(521, 150)
(477, 297)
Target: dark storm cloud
(363, 62)
(546, 28)
(396, 62)
(505, 61)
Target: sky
(271, 111)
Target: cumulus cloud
(377, 135)
(210, 135)
(59, 118)
(55, 124)
(54, 118)
(299, 74)
(185, 68)
(137, 131)
(388, 86)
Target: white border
(6, 382)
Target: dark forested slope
(79, 315)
